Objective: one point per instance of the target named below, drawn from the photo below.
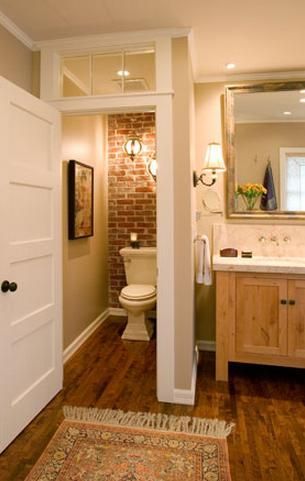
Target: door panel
(261, 319)
(30, 255)
(30, 136)
(296, 318)
(34, 220)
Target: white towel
(204, 272)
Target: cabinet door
(296, 318)
(261, 318)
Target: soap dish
(228, 252)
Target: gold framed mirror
(265, 150)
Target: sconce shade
(132, 147)
(212, 165)
(152, 167)
(213, 158)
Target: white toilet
(140, 294)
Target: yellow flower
(250, 193)
(250, 190)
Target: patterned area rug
(107, 445)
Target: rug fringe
(185, 424)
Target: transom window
(122, 71)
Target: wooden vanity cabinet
(260, 318)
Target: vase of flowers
(250, 193)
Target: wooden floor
(267, 404)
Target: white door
(30, 257)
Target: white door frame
(162, 104)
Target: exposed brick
(131, 192)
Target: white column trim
(187, 396)
(165, 252)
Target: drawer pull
(291, 302)
(284, 301)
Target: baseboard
(76, 344)
(117, 311)
(206, 345)
(187, 396)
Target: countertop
(280, 265)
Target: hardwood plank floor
(266, 403)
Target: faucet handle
(286, 238)
(262, 239)
(275, 240)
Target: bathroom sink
(292, 265)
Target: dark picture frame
(80, 200)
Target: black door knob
(8, 286)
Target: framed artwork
(80, 193)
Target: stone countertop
(280, 265)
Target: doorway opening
(124, 203)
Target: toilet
(140, 295)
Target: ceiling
(258, 36)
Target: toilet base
(138, 328)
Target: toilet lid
(138, 291)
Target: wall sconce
(132, 146)
(213, 164)
(152, 167)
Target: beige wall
(209, 127)
(184, 276)
(15, 60)
(36, 74)
(208, 104)
(85, 272)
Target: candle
(133, 236)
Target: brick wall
(132, 193)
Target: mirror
(265, 149)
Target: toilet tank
(140, 265)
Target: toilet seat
(136, 292)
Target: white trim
(111, 39)
(117, 311)
(162, 103)
(11, 27)
(110, 101)
(165, 251)
(243, 77)
(206, 345)
(187, 396)
(77, 343)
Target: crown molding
(85, 42)
(283, 75)
(11, 27)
